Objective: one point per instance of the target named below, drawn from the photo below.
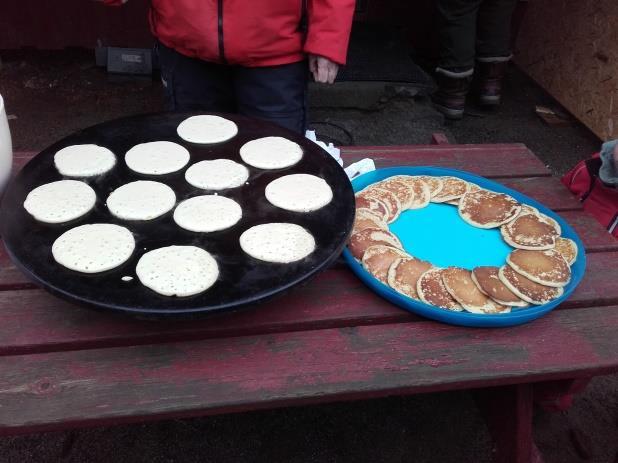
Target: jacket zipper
(220, 31)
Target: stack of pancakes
(535, 272)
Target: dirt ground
(49, 95)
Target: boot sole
(449, 113)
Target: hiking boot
(490, 76)
(450, 98)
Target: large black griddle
(243, 280)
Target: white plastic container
(6, 148)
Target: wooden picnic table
(63, 366)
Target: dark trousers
(470, 29)
(274, 93)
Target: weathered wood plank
(34, 321)
(494, 161)
(594, 236)
(101, 386)
(548, 191)
(10, 277)
(598, 287)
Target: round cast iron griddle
(243, 280)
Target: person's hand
(324, 70)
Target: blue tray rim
(464, 318)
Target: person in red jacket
(248, 57)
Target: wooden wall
(570, 47)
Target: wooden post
(508, 414)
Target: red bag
(597, 198)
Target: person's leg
(457, 36)
(493, 47)
(274, 93)
(193, 84)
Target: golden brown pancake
(459, 284)
(452, 188)
(404, 273)
(544, 267)
(567, 248)
(471, 187)
(378, 259)
(431, 290)
(374, 205)
(529, 231)
(400, 188)
(528, 209)
(551, 221)
(526, 289)
(393, 206)
(487, 209)
(366, 218)
(487, 280)
(435, 184)
(422, 192)
(363, 239)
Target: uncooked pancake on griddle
(363, 239)
(544, 267)
(461, 287)
(431, 290)
(488, 281)
(84, 160)
(207, 129)
(271, 153)
(207, 213)
(177, 270)
(60, 201)
(141, 200)
(487, 209)
(404, 273)
(94, 248)
(280, 243)
(526, 289)
(217, 174)
(157, 157)
(299, 193)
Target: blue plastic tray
(421, 229)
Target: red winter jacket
(252, 32)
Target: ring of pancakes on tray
(535, 272)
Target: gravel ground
(51, 95)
